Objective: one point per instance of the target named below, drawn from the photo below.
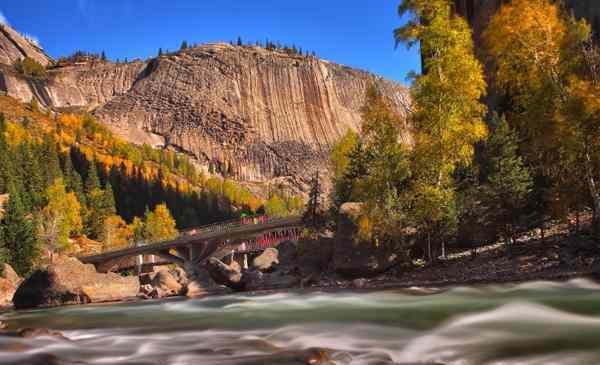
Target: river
(530, 323)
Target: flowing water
(531, 323)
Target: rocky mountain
(253, 114)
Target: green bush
(29, 67)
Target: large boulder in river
(354, 257)
(170, 282)
(228, 275)
(256, 280)
(68, 281)
(267, 260)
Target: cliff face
(14, 46)
(250, 113)
(245, 112)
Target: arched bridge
(194, 246)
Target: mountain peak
(15, 46)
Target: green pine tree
(184, 45)
(32, 178)
(509, 178)
(92, 181)
(49, 161)
(19, 234)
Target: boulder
(68, 281)
(224, 274)
(169, 283)
(267, 260)
(314, 256)
(9, 274)
(356, 258)
(257, 280)
(287, 253)
(7, 290)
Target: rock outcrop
(266, 260)
(14, 47)
(68, 281)
(253, 114)
(9, 281)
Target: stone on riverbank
(221, 273)
(267, 260)
(9, 281)
(68, 281)
(352, 257)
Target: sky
(355, 33)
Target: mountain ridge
(245, 112)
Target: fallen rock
(39, 332)
(224, 274)
(360, 283)
(287, 253)
(7, 291)
(9, 274)
(266, 260)
(167, 283)
(257, 280)
(356, 258)
(68, 281)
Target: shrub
(29, 67)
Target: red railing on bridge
(271, 239)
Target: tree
(60, 217)
(103, 56)
(539, 55)
(275, 206)
(239, 41)
(116, 233)
(184, 45)
(92, 181)
(19, 235)
(312, 213)
(33, 182)
(49, 161)
(160, 52)
(448, 113)
(509, 179)
(159, 225)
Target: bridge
(194, 246)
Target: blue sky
(356, 33)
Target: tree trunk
(594, 193)
(429, 247)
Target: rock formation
(14, 47)
(68, 281)
(253, 114)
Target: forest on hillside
(74, 188)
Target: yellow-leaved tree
(539, 52)
(60, 217)
(116, 234)
(448, 112)
(159, 225)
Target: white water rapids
(531, 323)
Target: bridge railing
(228, 225)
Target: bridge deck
(230, 231)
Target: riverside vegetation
(479, 172)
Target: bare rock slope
(249, 113)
